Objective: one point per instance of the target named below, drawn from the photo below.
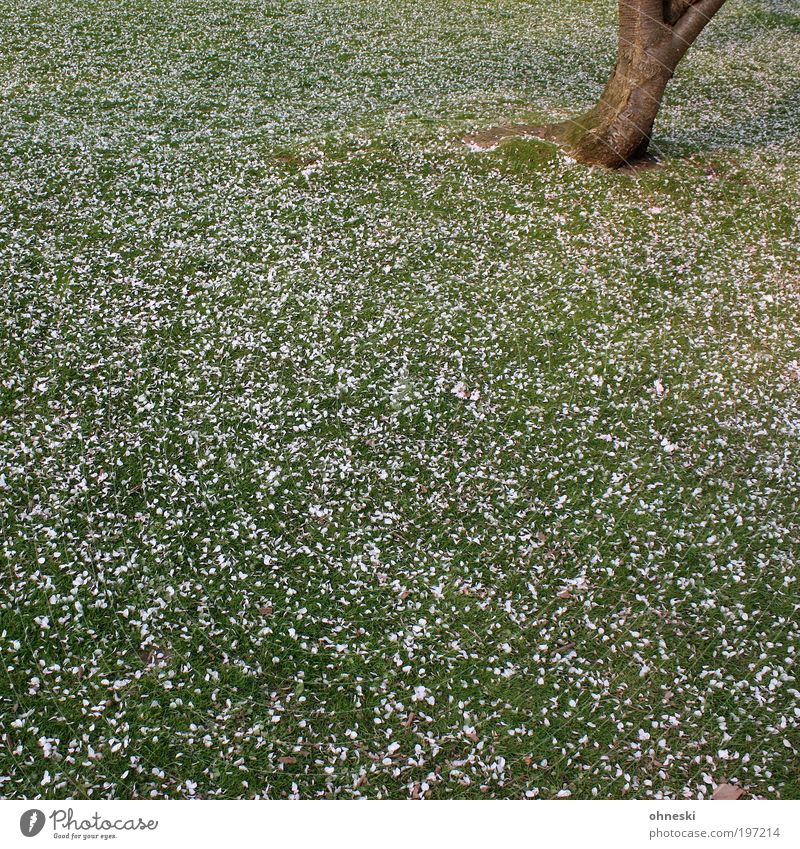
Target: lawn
(340, 460)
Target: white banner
(396, 824)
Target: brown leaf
(287, 760)
(565, 594)
(728, 791)
(155, 656)
(266, 610)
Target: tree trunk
(654, 35)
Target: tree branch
(694, 17)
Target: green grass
(251, 279)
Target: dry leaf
(287, 760)
(728, 791)
(155, 656)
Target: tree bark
(654, 35)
